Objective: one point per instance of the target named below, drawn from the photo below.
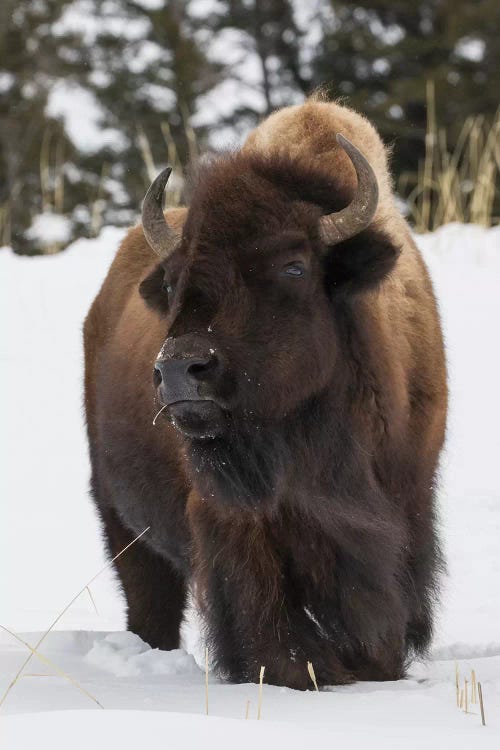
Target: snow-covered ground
(50, 545)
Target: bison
(285, 326)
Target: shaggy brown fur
(306, 521)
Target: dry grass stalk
(99, 204)
(261, 677)
(51, 180)
(59, 177)
(206, 680)
(172, 153)
(54, 623)
(481, 704)
(430, 143)
(92, 600)
(158, 413)
(458, 185)
(53, 666)
(174, 190)
(192, 141)
(466, 694)
(44, 169)
(146, 153)
(247, 710)
(457, 684)
(473, 688)
(461, 699)
(5, 224)
(312, 675)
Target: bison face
(251, 296)
(251, 334)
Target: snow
(314, 20)
(202, 8)
(7, 81)
(51, 545)
(145, 53)
(160, 98)
(48, 228)
(82, 19)
(470, 48)
(82, 115)
(234, 49)
(126, 655)
(395, 111)
(150, 4)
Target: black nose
(179, 379)
(193, 368)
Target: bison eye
(167, 287)
(295, 269)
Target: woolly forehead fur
(242, 197)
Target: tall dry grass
(5, 224)
(459, 184)
(52, 180)
(173, 196)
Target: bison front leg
(251, 618)
(245, 637)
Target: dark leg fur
(260, 610)
(154, 590)
(243, 638)
(424, 568)
(245, 635)
(422, 563)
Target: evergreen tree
(257, 46)
(93, 96)
(23, 92)
(97, 95)
(379, 54)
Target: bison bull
(288, 329)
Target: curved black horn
(161, 238)
(355, 217)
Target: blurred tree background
(97, 95)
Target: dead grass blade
(481, 704)
(54, 623)
(261, 678)
(459, 184)
(92, 600)
(53, 666)
(312, 675)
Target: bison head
(252, 294)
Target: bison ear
(151, 290)
(360, 263)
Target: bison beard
(303, 515)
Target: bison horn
(161, 238)
(355, 217)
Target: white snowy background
(51, 546)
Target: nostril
(157, 377)
(200, 369)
